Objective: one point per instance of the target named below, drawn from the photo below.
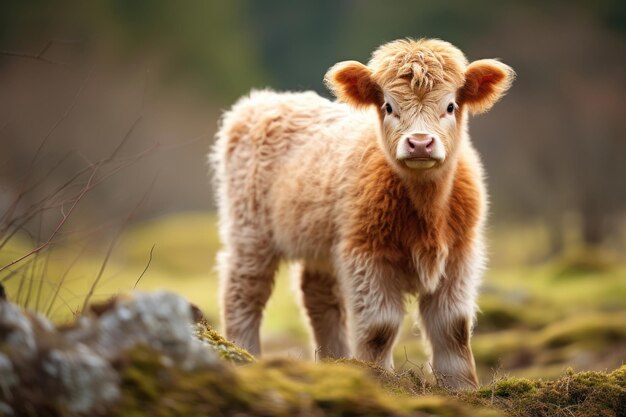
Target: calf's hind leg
(246, 280)
(325, 306)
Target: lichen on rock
(225, 349)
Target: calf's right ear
(351, 82)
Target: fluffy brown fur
(338, 189)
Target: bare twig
(35, 57)
(36, 184)
(146, 268)
(494, 381)
(128, 134)
(35, 207)
(34, 267)
(59, 226)
(125, 162)
(9, 211)
(31, 279)
(105, 261)
(407, 360)
(65, 304)
(15, 271)
(40, 56)
(19, 288)
(61, 281)
(43, 273)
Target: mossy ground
(271, 388)
(585, 394)
(349, 387)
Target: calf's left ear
(486, 81)
(351, 82)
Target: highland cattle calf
(375, 196)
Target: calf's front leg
(447, 316)
(376, 308)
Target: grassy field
(536, 319)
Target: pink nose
(419, 145)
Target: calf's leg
(446, 317)
(324, 304)
(377, 309)
(246, 280)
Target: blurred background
(108, 109)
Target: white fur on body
(287, 167)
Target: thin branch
(65, 304)
(19, 287)
(61, 281)
(59, 226)
(45, 48)
(126, 162)
(129, 132)
(35, 57)
(105, 261)
(146, 268)
(15, 271)
(33, 270)
(9, 211)
(43, 273)
(40, 55)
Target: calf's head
(423, 90)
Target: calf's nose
(419, 145)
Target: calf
(375, 196)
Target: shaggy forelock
(418, 65)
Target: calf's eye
(450, 108)
(388, 108)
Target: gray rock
(8, 377)
(86, 381)
(160, 320)
(16, 331)
(71, 369)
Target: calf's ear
(486, 81)
(351, 82)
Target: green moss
(225, 349)
(274, 388)
(142, 375)
(510, 387)
(584, 394)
